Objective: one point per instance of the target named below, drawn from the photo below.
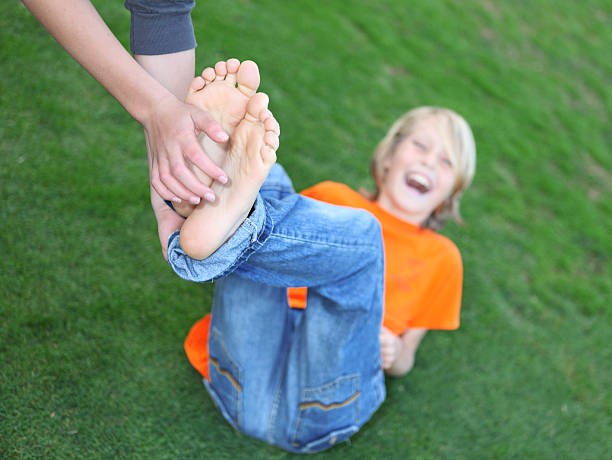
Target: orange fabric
(196, 346)
(423, 269)
(423, 275)
(296, 297)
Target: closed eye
(420, 145)
(445, 161)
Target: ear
(386, 165)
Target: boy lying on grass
(295, 350)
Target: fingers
(173, 180)
(172, 173)
(388, 349)
(205, 123)
(196, 156)
(175, 152)
(158, 185)
(387, 355)
(181, 183)
(386, 360)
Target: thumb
(204, 121)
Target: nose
(428, 157)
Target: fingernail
(223, 136)
(175, 199)
(195, 200)
(209, 197)
(223, 179)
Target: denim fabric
(160, 26)
(303, 380)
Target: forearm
(78, 27)
(174, 71)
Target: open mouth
(419, 182)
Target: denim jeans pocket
(327, 414)
(225, 380)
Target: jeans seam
(227, 374)
(331, 406)
(337, 244)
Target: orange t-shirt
(423, 275)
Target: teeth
(419, 181)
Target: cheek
(447, 185)
(393, 176)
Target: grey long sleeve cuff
(160, 27)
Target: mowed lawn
(92, 320)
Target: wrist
(150, 103)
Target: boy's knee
(278, 183)
(369, 226)
(368, 231)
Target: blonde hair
(458, 141)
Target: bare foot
(251, 154)
(223, 91)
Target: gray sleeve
(160, 27)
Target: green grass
(92, 320)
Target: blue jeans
(303, 380)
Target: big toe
(248, 78)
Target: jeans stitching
(227, 374)
(312, 393)
(233, 377)
(350, 246)
(331, 406)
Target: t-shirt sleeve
(319, 191)
(424, 290)
(442, 302)
(333, 193)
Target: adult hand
(172, 140)
(171, 125)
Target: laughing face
(419, 175)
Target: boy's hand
(390, 346)
(398, 351)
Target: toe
(197, 84)
(271, 139)
(220, 70)
(270, 124)
(232, 65)
(268, 155)
(232, 69)
(256, 106)
(209, 74)
(248, 78)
